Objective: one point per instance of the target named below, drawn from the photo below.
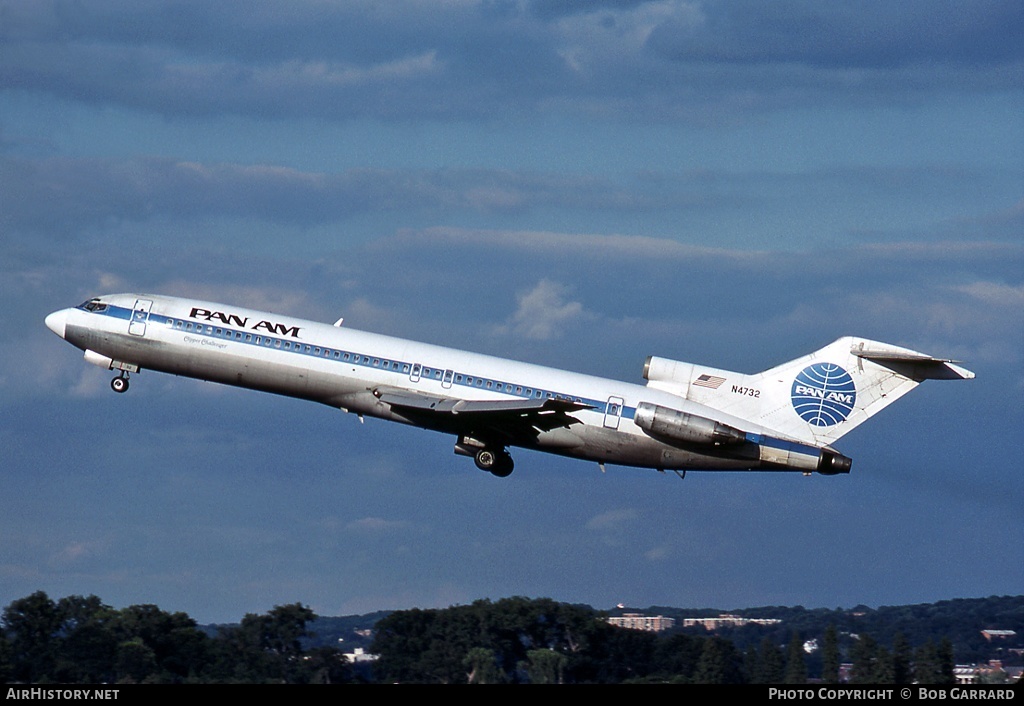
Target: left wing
(507, 418)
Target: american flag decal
(711, 381)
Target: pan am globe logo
(823, 394)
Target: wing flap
(537, 414)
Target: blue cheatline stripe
(375, 362)
(402, 368)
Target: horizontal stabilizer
(916, 366)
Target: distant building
(727, 621)
(998, 634)
(360, 655)
(636, 621)
(992, 673)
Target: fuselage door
(446, 381)
(613, 413)
(140, 316)
(414, 376)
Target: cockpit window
(93, 305)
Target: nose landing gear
(120, 383)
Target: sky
(581, 185)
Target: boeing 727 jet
(686, 417)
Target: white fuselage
(349, 370)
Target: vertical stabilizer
(819, 397)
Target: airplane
(686, 416)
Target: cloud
(588, 245)
(645, 60)
(376, 525)
(543, 313)
(659, 553)
(71, 195)
(868, 35)
(612, 520)
(74, 552)
(676, 215)
(996, 294)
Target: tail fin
(819, 397)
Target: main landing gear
(487, 456)
(498, 463)
(120, 383)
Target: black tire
(119, 385)
(486, 460)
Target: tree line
(520, 640)
(514, 640)
(81, 640)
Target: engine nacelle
(666, 423)
(667, 370)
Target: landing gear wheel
(498, 463)
(486, 459)
(119, 384)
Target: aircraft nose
(57, 321)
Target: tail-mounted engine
(673, 425)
